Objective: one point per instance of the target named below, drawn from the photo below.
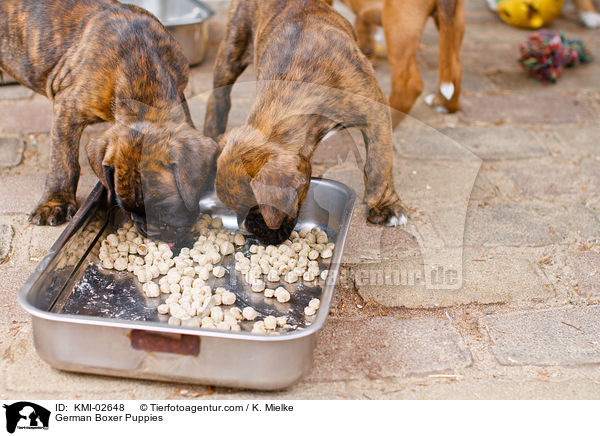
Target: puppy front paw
(53, 212)
(591, 20)
(391, 216)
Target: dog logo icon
(26, 415)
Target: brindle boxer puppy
(313, 79)
(100, 60)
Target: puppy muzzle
(255, 225)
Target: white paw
(447, 90)
(396, 221)
(492, 5)
(429, 99)
(591, 20)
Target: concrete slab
(387, 347)
(563, 336)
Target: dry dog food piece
(291, 277)
(228, 298)
(314, 303)
(308, 276)
(282, 295)
(207, 323)
(258, 285)
(120, 264)
(270, 322)
(226, 248)
(107, 264)
(326, 253)
(174, 321)
(236, 312)
(269, 293)
(218, 271)
(273, 276)
(163, 309)
(216, 313)
(259, 327)
(249, 313)
(281, 321)
(151, 289)
(239, 239)
(324, 274)
(309, 311)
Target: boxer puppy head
(156, 167)
(262, 183)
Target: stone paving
(505, 193)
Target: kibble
(249, 313)
(282, 295)
(190, 300)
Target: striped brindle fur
(312, 79)
(100, 60)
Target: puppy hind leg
(365, 33)
(58, 203)
(232, 60)
(403, 22)
(380, 194)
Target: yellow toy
(530, 14)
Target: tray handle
(174, 343)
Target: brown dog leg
(451, 24)
(403, 22)
(232, 60)
(380, 194)
(365, 32)
(58, 203)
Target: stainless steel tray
(185, 19)
(85, 320)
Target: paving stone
(30, 116)
(563, 336)
(505, 275)
(6, 236)
(584, 267)
(11, 152)
(554, 180)
(483, 277)
(15, 92)
(41, 239)
(25, 373)
(12, 278)
(21, 193)
(531, 225)
(498, 142)
(387, 347)
(582, 140)
(524, 109)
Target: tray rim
(177, 22)
(95, 195)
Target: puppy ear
(193, 156)
(278, 188)
(100, 152)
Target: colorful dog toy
(546, 52)
(530, 14)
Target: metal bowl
(186, 20)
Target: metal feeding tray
(86, 319)
(185, 19)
